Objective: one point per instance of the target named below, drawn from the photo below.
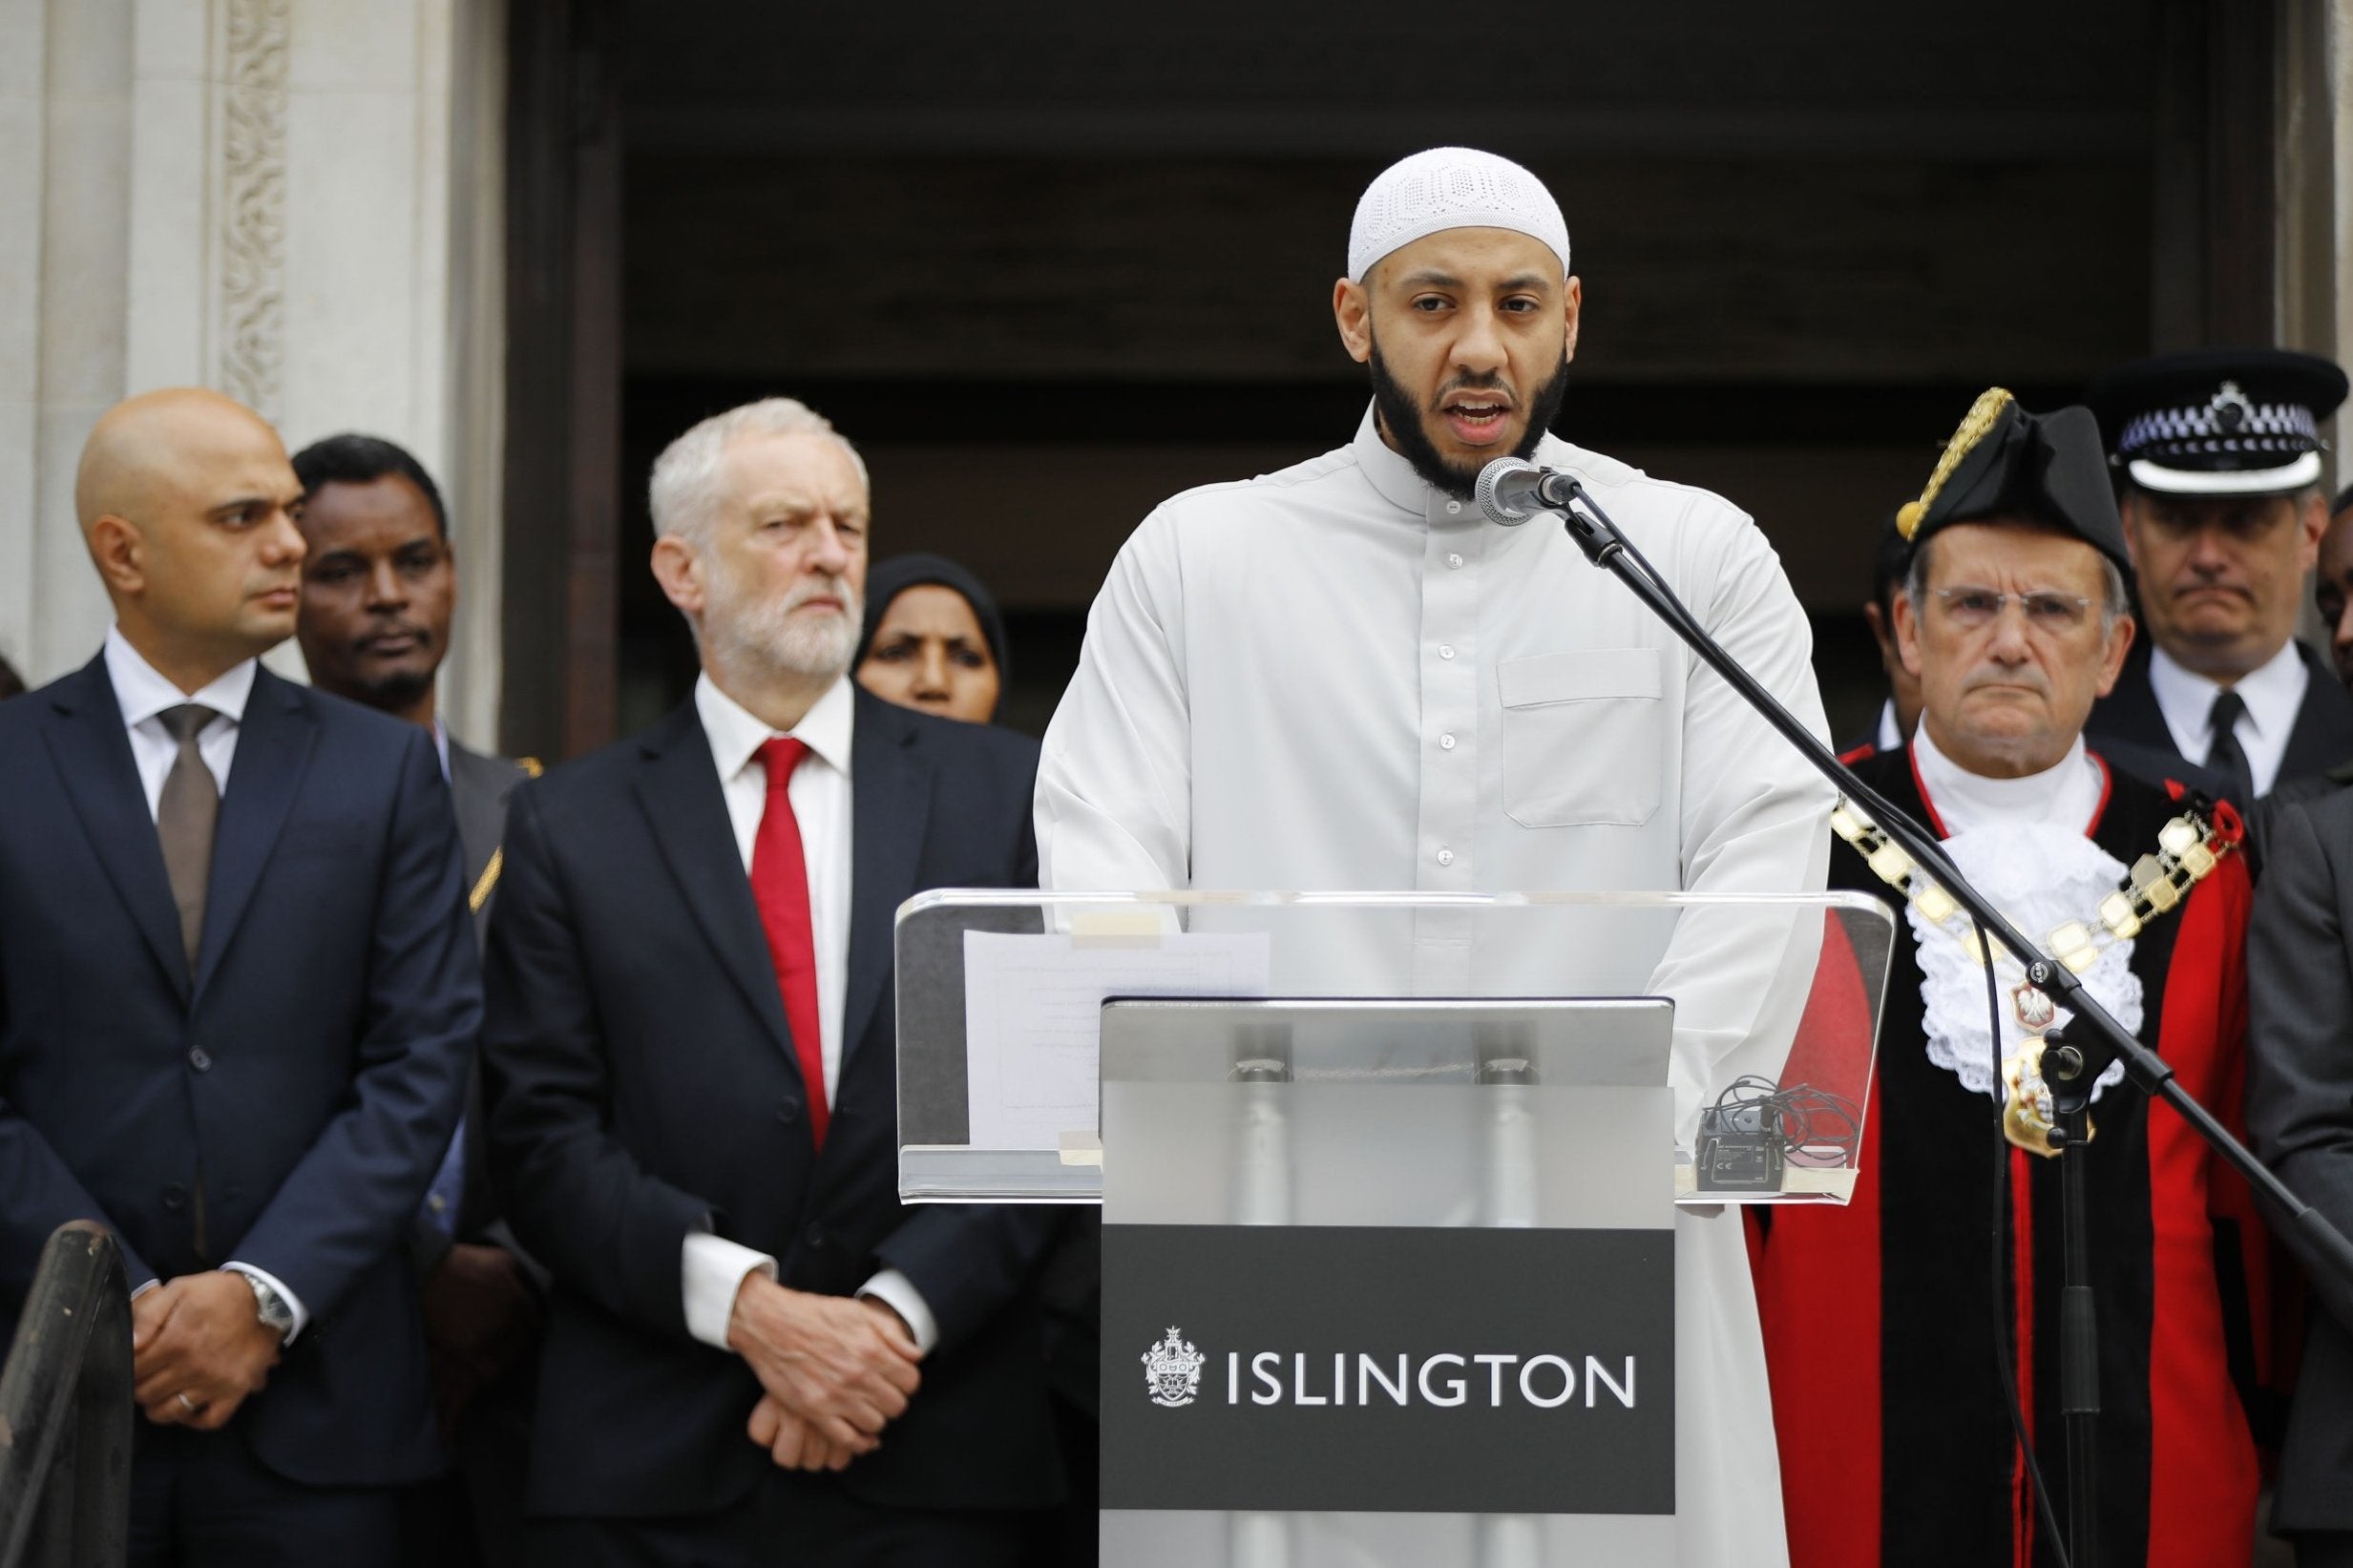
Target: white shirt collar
(1389, 470)
(1891, 730)
(2273, 691)
(441, 747)
(736, 733)
(144, 691)
(2068, 795)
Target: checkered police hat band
(2222, 427)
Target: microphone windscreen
(1501, 500)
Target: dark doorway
(1045, 276)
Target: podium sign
(1371, 1256)
(1375, 1368)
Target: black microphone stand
(2070, 1072)
(2073, 1069)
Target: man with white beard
(1340, 677)
(690, 1058)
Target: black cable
(1813, 1126)
(2000, 1275)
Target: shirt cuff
(714, 1269)
(302, 1314)
(896, 1292)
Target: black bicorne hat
(2219, 421)
(2004, 462)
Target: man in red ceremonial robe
(1887, 1322)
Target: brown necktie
(185, 815)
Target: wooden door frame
(562, 462)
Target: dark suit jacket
(2323, 736)
(643, 1084)
(2300, 1111)
(296, 1093)
(479, 788)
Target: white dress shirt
(143, 693)
(820, 793)
(2273, 692)
(1335, 676)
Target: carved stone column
(296, 201)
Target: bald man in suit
(238, 1001)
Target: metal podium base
(1139, 1538)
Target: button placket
(1449, 785)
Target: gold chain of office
(2189, 848)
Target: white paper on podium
(1033, 1019)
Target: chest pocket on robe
(1582, 739)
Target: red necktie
(779, 887)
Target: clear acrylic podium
(1388, 1185)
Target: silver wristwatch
(269, 1307)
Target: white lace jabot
(2021, 841)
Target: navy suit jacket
(642, 1082)
(284, 1107)
(2321, 737)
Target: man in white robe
(1340, 677)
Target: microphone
(1511, 490)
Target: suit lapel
(476, 795)
(92, 753)
(891, 786)
(273, 754)
(2131, 711)
(679, 790)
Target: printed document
(1032, 1018)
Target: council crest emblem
(1172, 1371)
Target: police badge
(1172, 1371)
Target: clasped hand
(198, 1349)
(834, 1371)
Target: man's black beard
(1401, 417)
(392, 693)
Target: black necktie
(186, 814)
(2223, 754)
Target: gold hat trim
(1975, 426)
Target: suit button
(200, 1058)
(816, 1238)
(175, 1198)
(788, 1109)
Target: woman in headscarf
(933, 640)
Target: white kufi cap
(1451, 188)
